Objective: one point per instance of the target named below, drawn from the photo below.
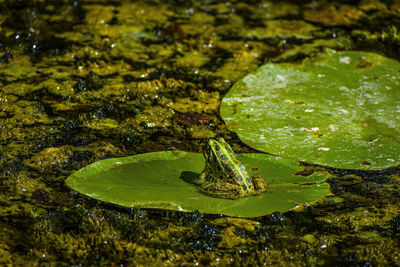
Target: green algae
(332, 15)
(282, 29)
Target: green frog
(224, 176)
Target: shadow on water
(189, 177)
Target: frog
(224, 175)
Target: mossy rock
(164, 180)
(339, 109)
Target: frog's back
(230, 161)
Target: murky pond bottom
(82, 81)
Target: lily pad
(164, 180)
(340, 109)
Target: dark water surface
(82, 81)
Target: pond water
(82, 81)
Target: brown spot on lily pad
(366, 163)
(363, 63)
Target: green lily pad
(164, 180)
(340, 109)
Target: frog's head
(217, 149)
